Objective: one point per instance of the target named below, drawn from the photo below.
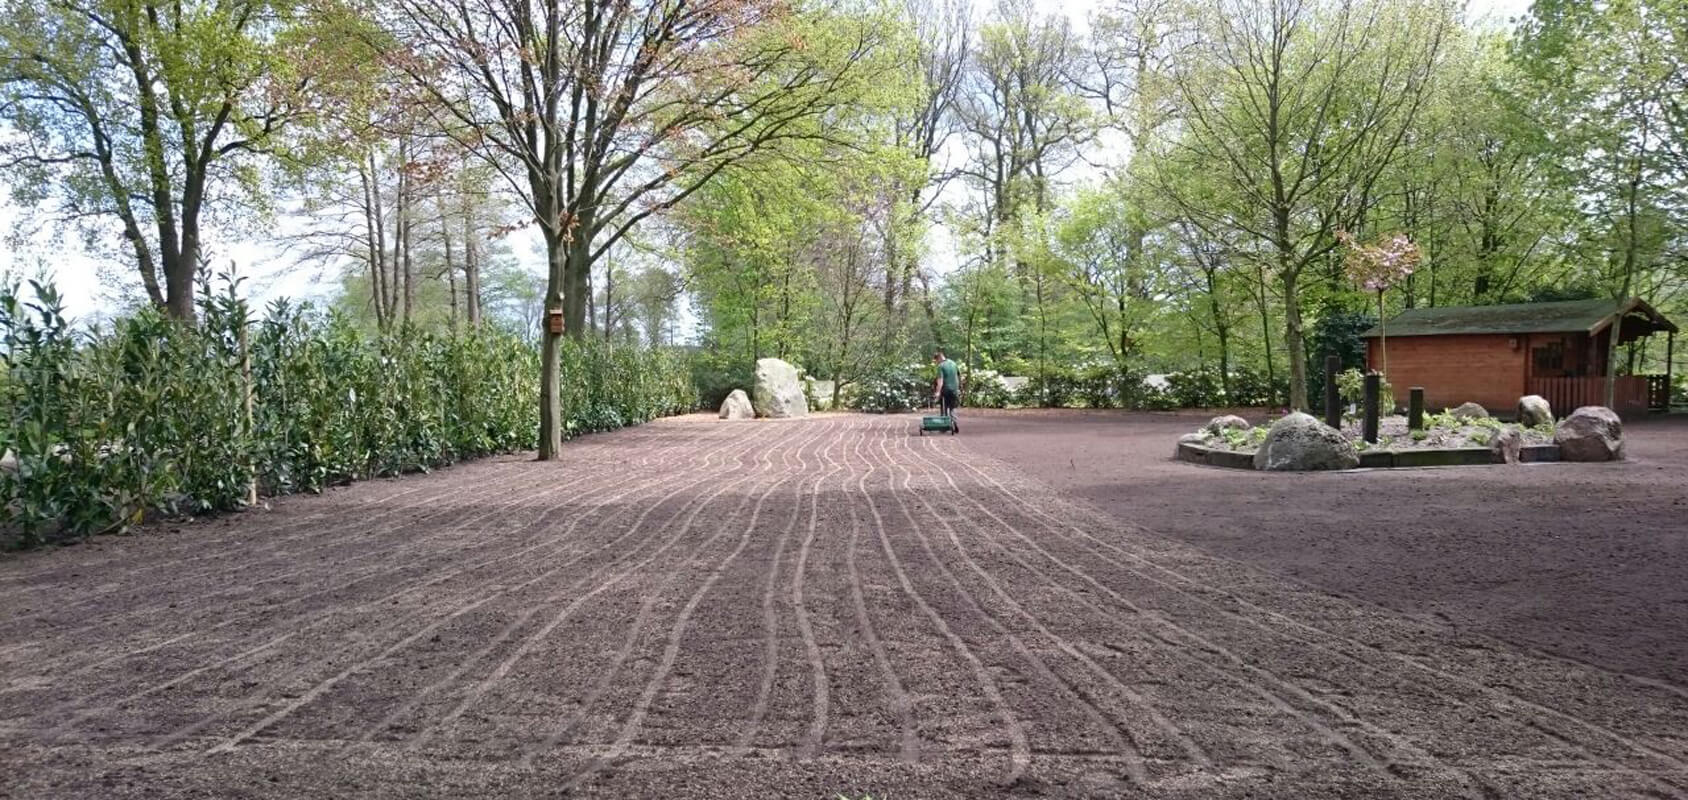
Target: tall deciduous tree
(147, 114)
(1606, 76)
(1298, 107)
(601, 113)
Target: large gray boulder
(1591, 433)
(737, 406)
(1299, 443)
(1470, 411)
(778, 392)
(1230, 422)
(1534, 410)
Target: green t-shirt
(951, 375)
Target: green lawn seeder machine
(939, 423)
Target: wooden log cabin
(1493, 355)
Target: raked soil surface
(828, 606)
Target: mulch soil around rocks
(1043, 606)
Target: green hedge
(147, 416)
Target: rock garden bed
(1460, 437)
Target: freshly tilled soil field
(770, 609)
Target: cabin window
(1550, 357)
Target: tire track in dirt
(518, 491)
(251, 555)
(237, 541)
(676, 633)
(353, 536)
(1197, 643)
(336, 501)
(770, 615)
(368, 660)
(1177, 586)
(335, 539)
(314, 618)
(479, 690)
(1054, 525)
(908, 749)
(636, 629)
(303, 623)
(1019, 746)
(820, 706)
(200, 543)
(417, 698)
(1128, 748)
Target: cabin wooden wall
(1488, 369)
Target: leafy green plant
(150, 416)
(1351, 387)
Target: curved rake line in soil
(770, 616)
(71, 561)
(1678, 766)
(538, 525)
(309, 623)
(1054, 525)
(364, 663)
(96, 599)
(909, 738)
(1197, 642)
(503, 669)
(459, 513)
(236, 539)
(1201, 643)
(245, 563)
(821, 698)
(1124, 742)
(237, 543)
(167, 600)
(323, 506)
(660, 480)
(671, 650)
(271, 547)
(634, 631)
(1019, 745)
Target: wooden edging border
(1382, 459)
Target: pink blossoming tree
(1376, 268)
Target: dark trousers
(948, 401)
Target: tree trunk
(1222, 330)
(371, 226)
(450, 262)
(1266, 333)
(1630, 247)
(609, 298)
(550, 356)
(1294, 347)
(471, 271)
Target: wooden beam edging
(1383, 459)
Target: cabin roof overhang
(1573, 316)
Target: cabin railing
(1632, 394)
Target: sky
(273, 274)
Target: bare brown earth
(1586, 561)
(793, 609)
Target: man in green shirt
(947, 388)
